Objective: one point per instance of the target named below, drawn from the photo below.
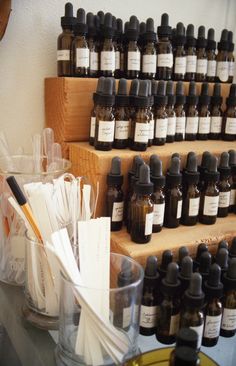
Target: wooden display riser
(190, 236)
(95, 165)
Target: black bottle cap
(114, 24)
(144, 185)
(190, 39)
(232, 158)
(68, 20)
(92, 31)
(193, 295)
(201, 249)
(223, 45)
(229, 278)
(115, 177)
(173, 37)
(80, 27)
(222, 257)
(212, 174)
(101, 16)
(152, 159)
(122, 98)
(170, 283)
(126, 275)
(192, 98)
(170, 92)
(119, 30)
(187, 337)
(213, 286)
(132, 32)
(133, 92)
(151, 271)
(191, 174)
(216, 98)
(186, 356)
(173, 175)
(201, 39)
(107, 98)
(204, 264)
(183, 252)
(223, 244)
(135, 177)
(150, 34)
(160, 98)
(205, 164)
(211, 43)
(186, 272)
(204, 97)
(224, 167)
(142, 29)
(157, 177)
(164, 30)
(167, 257)
(230, 41)
(107, 30)
(137, 161)
(99, 90)
(232, 251)
(180, 97)
(180, 38)
(231, 100)
(142, 100)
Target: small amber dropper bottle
(160, 115)
(132, 54)
(222, 66)
(231, 58)
(191, 57)
(171, 126)
(80, 49)
(180, 112)
(180, 55)
(224, 185)
(158, 196)
(192, 118)
(229, 119)
(93, 112)
(201, 71)
(92, 36)
(107, 54)
(211, 56)
(204, 123)
(149, 53)
(232, 180)
(122, 120)
(216, 113)
(164, 50)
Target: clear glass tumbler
(12, 229)
(123, 305)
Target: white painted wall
(28, 50)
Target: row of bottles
(153, 114)
(95, 45)
(198, 193)
(199, 294)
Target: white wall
(28, 49)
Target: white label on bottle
(212, 326)
(171, 126)
(228, 319)
(134, 60)
(165, 60)
(216, 124)
(148, 316)
(141, 132)
(82, 57)
(117, 211)
(194, 206)
(230, 127)
(232, 199)
(191, 125)
(179, 209)
(117, 60)
(180, 125)
(222, 70)
(231, 68)
(151, 129)
(122, 130)
(92, 126)
(180, 65)
(224, 198)
(126, 317)
(149, 64)
(199, 331)
(108, 61)
(161, 127)
(211, 204)
(106, 131)
(174, 324)
(148, 223)
(63, 55)
(93, 61)
(204, 125)
(158, 213)
(191, 65)
(201, 66)
(211, 68)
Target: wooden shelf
(190, 236)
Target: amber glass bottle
(231, 58)
(211, 56)
(216, 113)
(183, 252)
(204, 123)
(151, 110)
(119, 49)
(203, 168)
(107, 53)
(222, 67)
(80, 49)
(142, 208)
(64, 42)
(171, 125)
(164, 50)
(100, 86)
(232, 250)
(191, 57)
(180, 54)
(229, 119)
(149, 53)
(210, 195)
(93, 44)
(232, 180)
(132, 51)
(160, 115)
(133, 94)
(224, 185)
(122, 121)
(191, 113)
(201, 71)
(158, 196)
(180, 112)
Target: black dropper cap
(149, 34)
(201, 39)
(213, 286)
(122, 98)
(107, 98)
(216, 98)
(194, 296)
(115, 177)
(150, 96)
(114, 26)
(160, 98)
(230, 41)
(68, 20)
(201, 249)
(204, 264)
(157, 177)
(108, 31)
(180, 97)
(232, 251)
(142, 100)
(173, 175)
(176, 155)
(192, 98)
(187, 337)
(142, 28)
(191, 174)
(80, 27)
(135, 177)
(119, 31)
(132, 32)
(223, 244)
(151, 272)
(186, 272)
(173, 37)
(90, 21)
(170, 92)
(101, 16)
(232, 160)
(126, 275)
(229, 278)
(152, 159)
(133, 92)
(231, 100)
(144, 185)
(224, 167)
(167, 257)
(164, 30)
(212, 174)
(100, 86)
(205, 164)
(180, 38)
(222, 258)
(223, 45)
(183, 252)
(190, 39)
(170, 284)
(204, 97)
(211, 43)
(186, 356)
(137, 161)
